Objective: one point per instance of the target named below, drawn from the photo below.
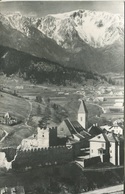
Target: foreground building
(109, 146)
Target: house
(98, 92)
(7, 118)
(100, 98)
(120, 93)
(7, 115)
(116, 129)
(29, 97)
(119, 101)
(109, 146)
(19, 87)
(73, 129)
(111, 93)
(118, 104)
(118, 121)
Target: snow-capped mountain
(97, 29)
(84, 39)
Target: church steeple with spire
(83, 114)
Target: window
(103, 145)
(92, 151)
(100, 151)
(62, 129)
(81, 118)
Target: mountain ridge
(69, 40)
(82, 19)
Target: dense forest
(40, 71)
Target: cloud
(42, 8)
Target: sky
(42, 8)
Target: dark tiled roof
(75, 128)
(69, 125)
(95, 130)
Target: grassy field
(69, 100)
(20, 108)
(16, 134)
(24, 109)
(14, 105)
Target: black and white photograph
(61, 97)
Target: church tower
(83, 115)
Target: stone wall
(92, 161)
(43, 156)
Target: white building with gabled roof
(109, 146)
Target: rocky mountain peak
(82, 38)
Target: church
(72, 131)
(76, 129)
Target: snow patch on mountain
(72, 29)
(97, 29)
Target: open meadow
(14, 105)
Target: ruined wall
(10, 153)
(43, 156)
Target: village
(71, 141)
(105, 142)
(90, 135)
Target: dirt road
(118, 189)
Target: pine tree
(38, 110)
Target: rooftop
(82, 108)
